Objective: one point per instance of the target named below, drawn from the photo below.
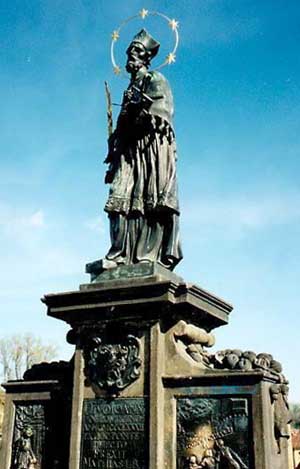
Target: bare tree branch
(295, 411)
(5, 359)
(19, 352)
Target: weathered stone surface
(61, 371)
(160, 294)
(44, 408)
(144, 339)
(100, 274)
(255, 445)
(112, 366)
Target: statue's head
(141, 51)
(27, 432)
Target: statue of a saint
(143, 204)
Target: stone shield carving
(112, 366)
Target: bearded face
(138, 57)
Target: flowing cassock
(143, 202)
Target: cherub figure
(208, 461)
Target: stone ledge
(218, 378)
(22, 386)
(101, 274)
(139, 299)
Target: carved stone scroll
(194, 340)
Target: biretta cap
(150, 44)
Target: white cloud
(13, 221)
(32, 246)
(244, 213)
(95, 224)
(36, 219)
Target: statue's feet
(97, 267)
(108, 264)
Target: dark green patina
(213, 432)
(114, 434)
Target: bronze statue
(193, 462)
(24, 457)
(225, 456)
(143, 204)
(208, 461)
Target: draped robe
(143, 202)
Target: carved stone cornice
(142, 300)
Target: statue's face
(137, 57)
(28, 432)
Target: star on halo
(115, 35)
(171, 58)
(117, 70)
(173, 24)
(143, 13)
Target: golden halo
(172, 23)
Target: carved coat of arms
(112, 366)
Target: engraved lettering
(114, 434)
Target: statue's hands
(129, 94)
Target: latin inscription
(114, 434)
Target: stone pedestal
(146, 393)
(41, 402)
(138, 311)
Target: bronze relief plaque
(114, 434)
(28, 449)
(213, 433)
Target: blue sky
(237, 93)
